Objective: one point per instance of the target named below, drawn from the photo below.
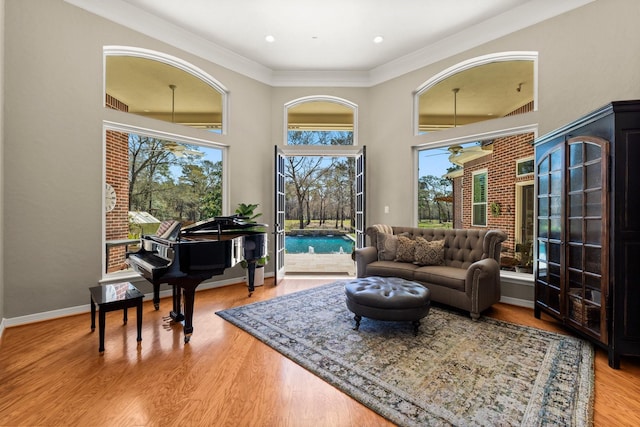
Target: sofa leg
(475, 316)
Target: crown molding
(476, 35)
(498, 26)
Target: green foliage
(248, 210)
(185, 187)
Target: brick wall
(117, 174)
(501, 178)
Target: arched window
(479, 89)
(321, 120)
(163, 87)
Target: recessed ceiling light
(270, 38)
(378, 39)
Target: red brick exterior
(500, 165)
(117, 174)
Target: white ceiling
(326, 41)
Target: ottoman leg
(357, 318)
(416, 326)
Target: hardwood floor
(52, 374)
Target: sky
(434, 161)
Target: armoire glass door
(550, 172)
(587, 233)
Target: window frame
(174, 62)
(474, 174)
(319, 98)
(523, 160)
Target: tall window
(479, 199)
(149, 175)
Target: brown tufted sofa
(468, 277)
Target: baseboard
(86, 308)
(2, 327)
(517, 301)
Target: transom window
(164, 88)
(476, 90)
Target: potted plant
(524, 253)
(248, 211)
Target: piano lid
(222, 223)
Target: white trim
(478, 136)
(174, 62)
(320, 98)
(2, 322)
(517, 302)
(86, 308)
(517, 238)
(123, 127)
(472, 63)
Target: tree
(173, 183)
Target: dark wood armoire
(587, 250)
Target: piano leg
(189, 298)
(156, 296)
(176, 313)
(251, 274)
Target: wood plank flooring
(52, 374)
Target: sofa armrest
(365, 256)
(482, 284)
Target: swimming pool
(320, 244)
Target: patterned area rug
(455, 372)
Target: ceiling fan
(180, 150)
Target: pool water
(320, 244)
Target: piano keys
(187, 257)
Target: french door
(280, 199)
(279, 214)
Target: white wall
(587, 58)
(54, 149)
(53, 129)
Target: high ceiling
(326, 40)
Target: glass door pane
(586, 251)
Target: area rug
(455, 372)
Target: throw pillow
(429, 253)
(406, 249)
(387, 246)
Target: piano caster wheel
(187, 338)
(156, 306)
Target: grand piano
(184, 258)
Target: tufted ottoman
(387, 298)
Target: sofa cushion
(387, 246)
(442, 275)
(391, 269)
(406, 251)
(429, 253)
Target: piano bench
(115, 297)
